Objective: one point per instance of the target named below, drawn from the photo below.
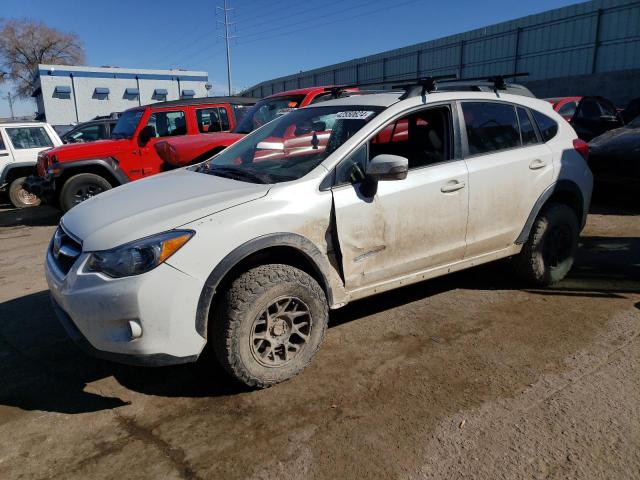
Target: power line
(326, 23)
(287, 16)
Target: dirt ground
(468, 375)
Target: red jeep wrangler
(72, 173)
(179, 152)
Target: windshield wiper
(236, 173)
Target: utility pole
(10, 105)
(226, 37)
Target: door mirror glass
(387, 167)
(146, 134)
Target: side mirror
(146, 134)
(387, 167)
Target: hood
(153, 205)
(99, 148)
(621, 141)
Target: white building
(69, 94)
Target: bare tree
(25, 43)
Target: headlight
(139, 256)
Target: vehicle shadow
(40, 369)
(42, 216)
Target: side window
(548, 127)
(352, 168)
(29, 137)
(423, 137)
(527, 130)
(2, 146)
(490, 126)
(589, 108)
(608, 108)
(168, 124)
(568, 109)
(89, 133)
(323, 97)
(213, 119)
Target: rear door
(509, 168)
(409, 225)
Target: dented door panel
(409, 225)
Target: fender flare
(12, 166)
(298, 242)
(110, 163)
(564, 185)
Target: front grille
(65, 250)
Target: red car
(72, 173)
(183, 151)
(589, 116)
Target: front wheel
(269, 324)
(19, 197)
(548, 254)
(81, 187)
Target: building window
(188, 93)
(160, 94)
(131, 93)
(101, 93)
(62, 91)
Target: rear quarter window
(547, 126)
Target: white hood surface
(153, 205)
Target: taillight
(582, 148)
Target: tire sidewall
(67, 193)
(551, 218)
(14, 188)
(259, 302)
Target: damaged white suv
(322, 206)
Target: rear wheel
(548, 254)
(81, 187)
(19, 197)
(269, 324)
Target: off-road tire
(69, 195)
(532, 264)
(241, 305)
(19, 197)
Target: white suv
(322, 206)
(20, 144)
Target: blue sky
(273, 38)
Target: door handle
(4, 154)
(452, 186)
(537, 164)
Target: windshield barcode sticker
(354, 115)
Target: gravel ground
(466, 376)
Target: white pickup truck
(20, 144)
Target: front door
(162, 124)
(405, 226)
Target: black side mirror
(146, 134)
(387, 167)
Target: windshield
(266, 110)
(127, 124)
(291, 146)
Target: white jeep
(20, 144)
(320, 207)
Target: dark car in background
(589, 116)
(614, 157)
(97, 129)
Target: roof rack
(423, 85)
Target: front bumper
(97, 312)
(40, 187)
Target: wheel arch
(18, 170)
(565, 192)
(285, 248)
(105, 167)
